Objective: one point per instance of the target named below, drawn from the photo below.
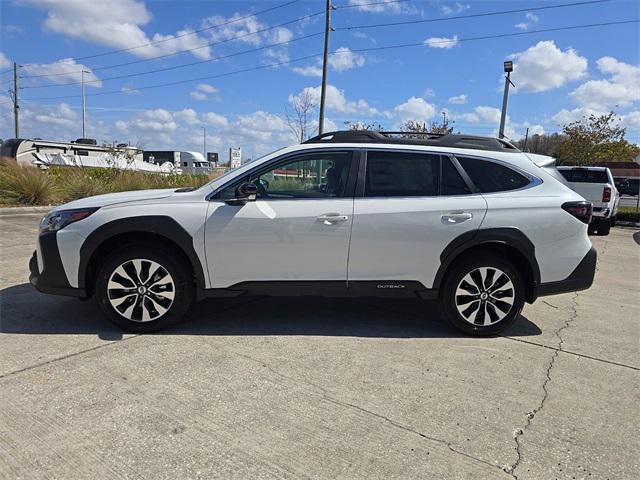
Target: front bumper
(50, 277)
(580, 279)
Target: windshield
(582, 175)
(234, 170)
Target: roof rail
(415, 138)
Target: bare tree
(358, 125)
(300, 120)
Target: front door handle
(330, 218)
(456, 217)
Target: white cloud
(337, 101)
(415, 108)
(187, 115)
(116, 24)
(344, 59)
(63, 71)
(632, 120)
(130, 90)
(544, 67)
(310, 71)
(565, 116)
(280, 35)
(380, 6)
(622, 89)
(237, 26)
(202, 91)
(454, 8)
(215, 120)
(206, 88)
(62, 116)
(481, 114)
(198, 96)
(429, 93)
(458, 99)
(442, 42)
(4, 61)
(531, 19)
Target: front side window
(491, 176)
(307, 176)
(401, 174)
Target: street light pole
(204, 142)
(84, 104)
(16, 105)
(508, 68)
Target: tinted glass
(582, 175)
(452, 182)
(399, 174)
(492, 177)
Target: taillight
(581, 210)
(606, 195)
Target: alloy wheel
(141, 290)
(485, 296)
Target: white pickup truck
(596, 185)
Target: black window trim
(362, 172)
(273, 163)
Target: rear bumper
(50, 277)
(580, 279)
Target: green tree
(593, 139)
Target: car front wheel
(143, 289)
(482, 296)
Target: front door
(411, 206)
(297, 230)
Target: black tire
(173, 279)
(613, 221)
(591, 229)
(604, 226)
(450, 301)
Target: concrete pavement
(320, 388)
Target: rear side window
(582, 175)
(492, 177)
(400, 174)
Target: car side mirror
(246, 192)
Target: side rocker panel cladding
(500, 236)
(156, 224)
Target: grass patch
(33, 186)
(628, 214)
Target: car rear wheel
(604, 226)
(143, 289)
(482, 296)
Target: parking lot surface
(320, 388)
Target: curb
(24, 210)
(627, 224)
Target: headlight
(54, 221)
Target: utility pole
(508, 68)
(526, 138)
(323, 91)
(16, 105)
(204, 142)
(84, 105)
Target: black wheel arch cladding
(492, 238)
(163, 226)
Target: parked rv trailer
(188, 162)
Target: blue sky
(560, 75)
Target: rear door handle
(456, 217)
(329, 218)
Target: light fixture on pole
(508, 68)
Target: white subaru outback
(469, 221)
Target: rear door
(409, 206)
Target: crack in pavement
(519, 433)
(326, 396)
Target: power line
(362, 50)
(194, 32)
(472, 15)
(183, 65)
(357, 5)
(133, 62)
